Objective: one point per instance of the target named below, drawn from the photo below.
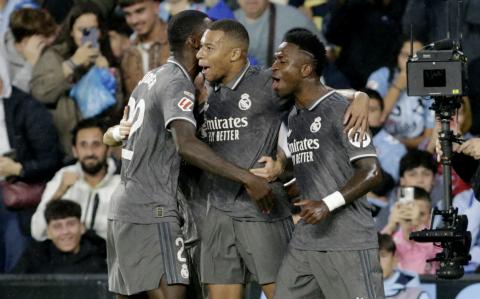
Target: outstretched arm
(367, 175)
(201, 155)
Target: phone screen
(406, 194)
(90, 35)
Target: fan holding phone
(81, 46)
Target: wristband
(116, 134)
(72, 65)
(334, 201)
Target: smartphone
(90, 35)
(406, 194)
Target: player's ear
(235, 54)
(306, 70)
(193, 42)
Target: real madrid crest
(316, 125)
(245, 103)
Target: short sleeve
(177, 102)
(354, 147)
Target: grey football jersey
(241, 125)
(150, 162)
(322, 155)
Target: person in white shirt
(90, 182)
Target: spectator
(65, 63)
(119, 36)
(409, 216)
(150, 43)
(29, 152)
(398, 284)
(257, 15)
(169, 8)
(30, 31)
(9, 6)
(369, 34)
(389, 149)
(68, 249)
(90, 182)
(407, 118)
(417, 169)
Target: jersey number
(179, 242)
(136, 108)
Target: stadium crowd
(68, 70)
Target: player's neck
(235, 70)
(188, 61)
(309, 92)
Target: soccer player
(144, 241)
(334, 249)
(242, 121)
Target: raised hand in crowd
(85, 55)
(470, 147)
(9, 167)
(68, 179)
(34, 48)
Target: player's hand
(356, 116)
(260, 192)
(471, 148)
(270, 171)
(313, 211)
(125, 125)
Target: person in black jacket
(69, 249)
(29, 152)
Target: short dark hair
(421, 194)
(87, 124)
(385, 242)
(61, 209)
(374, 95)
(26, 22)
(309, 42)
(233, 29)
(183, 25)
(125, 3)
(415, 158)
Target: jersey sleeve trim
(194, 123)
(362, 156)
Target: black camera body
(453, 237)
(436, 73)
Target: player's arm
(367, 175)
(116, 134)
(197, 153)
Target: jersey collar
(174, 61)
(234, 83)
(320, 99)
